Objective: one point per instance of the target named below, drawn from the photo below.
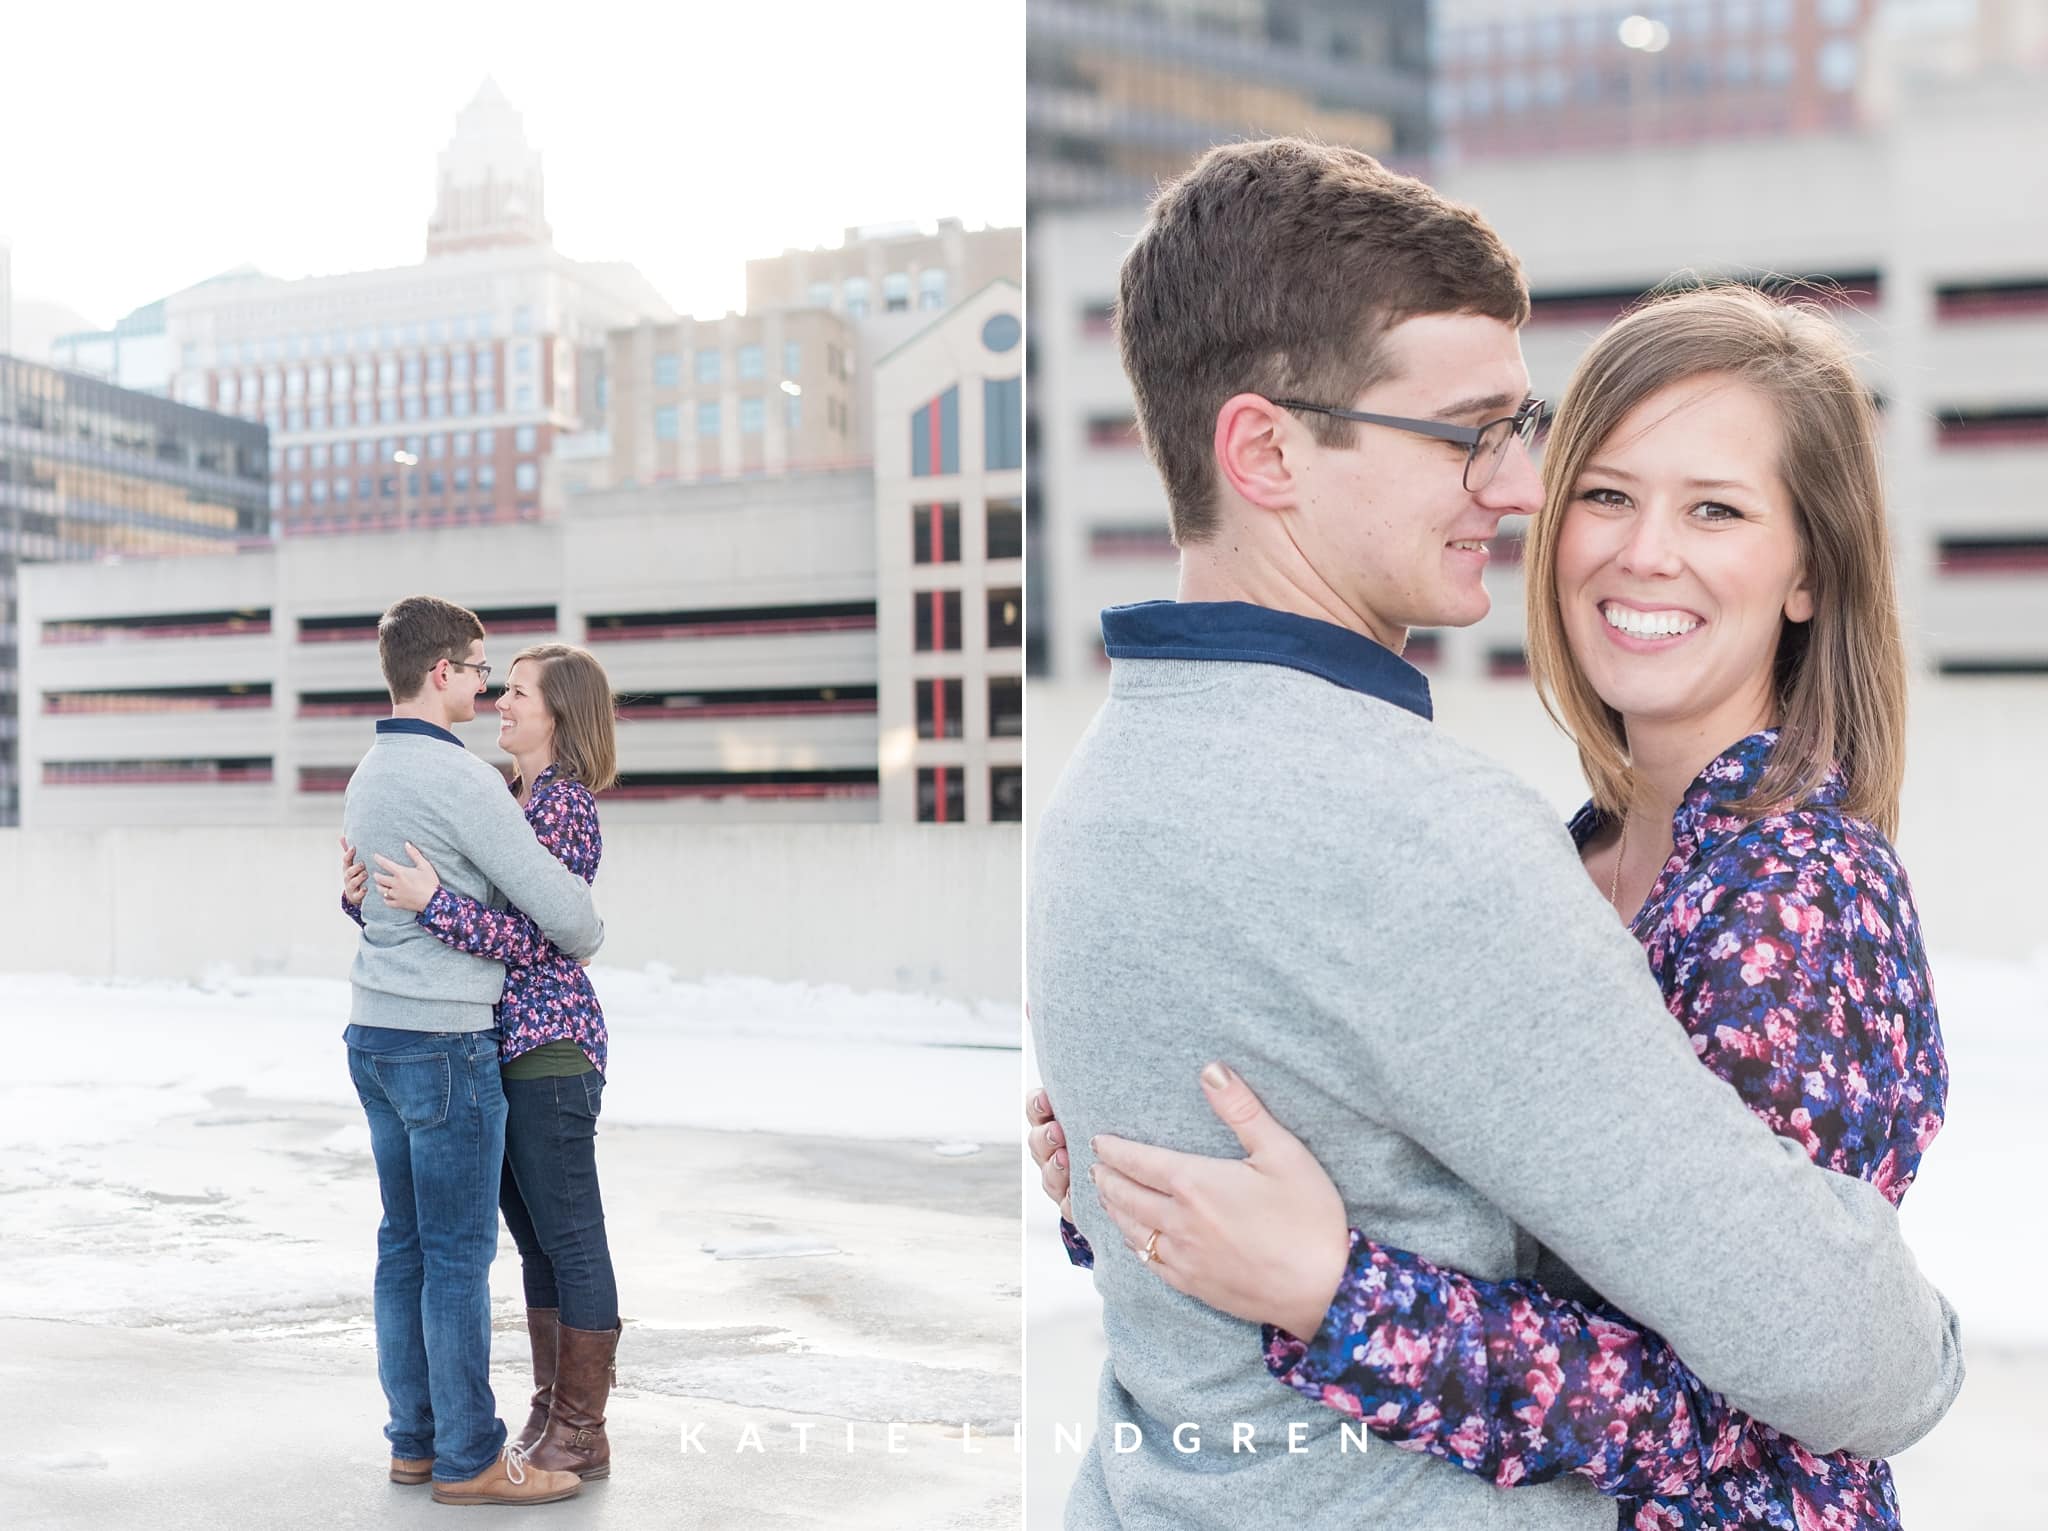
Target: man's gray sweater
(1392, 940)
(428, 789)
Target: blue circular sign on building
(1002, 332)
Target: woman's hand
(407, 887)
(355, 877)
(1049, 1151)
(1262, 1238)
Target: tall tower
(491, 191)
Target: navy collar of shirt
(416, 726)
(1238, 630)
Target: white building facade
(1934, 231)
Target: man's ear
(1254, 437)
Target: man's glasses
(1485, 445)
(483, 670)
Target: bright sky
(153, 146)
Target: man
(1262, 852)
(423, 1052)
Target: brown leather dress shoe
(411, 1469)
(575, 1440)
(509, 1480)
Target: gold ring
(1151, 1250)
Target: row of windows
(318, 417)
(937, 620)
(437, 367)
(525, 477)
(942, 794)
(753, 415)
(941, 716)
(433, 332)
(935, 531)
(1595, 30)
(434, 444)
(935, 429)
(709, 362)
(111, 773)
(1835, 67)
(855, 296)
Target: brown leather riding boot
(575, 1439)
(542, 1325)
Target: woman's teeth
(1470, 547)
(1649, 624)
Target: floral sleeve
(1797, 970)
(353, 911)
(566, 825)
(1078, 1250)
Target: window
(750, 363)
(462, 480)
(458, 366)
(792, 412)
(486, 443)
(819, 295)
(412, 372)
(1005, 619)
(935, 436)
(526, 476)
(1005, 528)
(366, 451)
(665, 428)
(341, 490)
(896, 293)
(436, 484)
(317, 457)
(437, 368)
(941, 795)
(294, 459)
(1006, 794)
(437, 407)
(931, 288)
(667, 370)
(707, 366)
(1838, 63)
(1002, 422)
(792, 358)
(318, 491)
(365, 487)
(412, 409)
(487, 477)
(751, 417)
(462, 442)
(938, 620)
(938, 709)
(523, 439)
(1005, 707)
(387, 410)
(522, 396)
(316, 417)
(522, 356)
(486, 402)
(295, 419)
(485, 367)
(856, 290)
(707, 420)
(935, 534)
(522, 319)
(295, 493)
(295, 383)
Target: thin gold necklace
(1621, 851)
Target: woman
(556, 722)
(1712, 618)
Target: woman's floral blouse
(1789, 949)
(547, 996)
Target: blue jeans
(550, 1200)
(437, 1130)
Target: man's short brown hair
(1275, 268)
(416, 634)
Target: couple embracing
(478, 1050)
(1562, 1159)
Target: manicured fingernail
(1041, 1102)
(1060, 1159)
(1094, 1143)
(1094, 1172)
(1054, 1136)
(1216, 1076)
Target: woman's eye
(1612, 498)
(1714, 510)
